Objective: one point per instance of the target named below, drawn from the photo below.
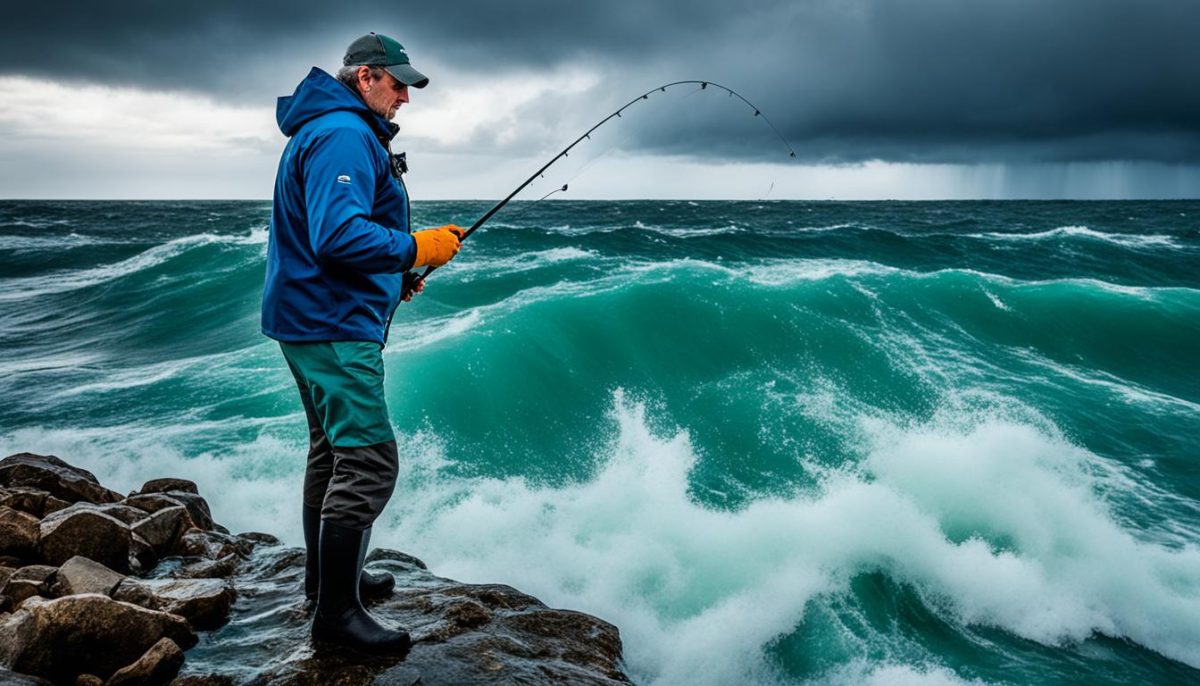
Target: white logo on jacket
(343, 179)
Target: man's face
(386, 95)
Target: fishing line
(411, 284)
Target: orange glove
(437, 246)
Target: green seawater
(773, 442)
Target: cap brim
(405, 74)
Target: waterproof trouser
(352, 456)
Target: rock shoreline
(101, 589)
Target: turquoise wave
(773, 442)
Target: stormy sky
(879, 98)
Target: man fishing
(339, 250)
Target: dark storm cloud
(844, 80)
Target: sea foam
(996, 523)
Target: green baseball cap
(378, 50)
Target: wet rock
(203, 568)
(85, 532)
(88, 680)
(166, 485)
(386, 554)
(27, 582)
(463, 634)
(55, 477)
(18, 532)
(161, 529)
(14, 679)
(81, 575)
(204, 603)
(203, 680)
(255, 538)
(156, 666)
(100, 635)
(211, 544)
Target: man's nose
(404, 94)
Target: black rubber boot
(340, 617)
(371, 586)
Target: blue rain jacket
(339, 239)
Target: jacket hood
(319, 94)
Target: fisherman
(339, 249)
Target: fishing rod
(410, 285)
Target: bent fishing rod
(411, 284)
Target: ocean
(773, 442)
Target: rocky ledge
(97, 588)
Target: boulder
(88, 680)
(85, 532)
(54, 505)
(197, 508)
(27, 582)
(29, 500)
(101, 635)
(81, 575)
(151, 502)
(166, 485)
(204, 603)
(204, 568)
(18, 532)
(142, 556)
(211, 544)
(155, 667)
(160, 529)
(52, 475)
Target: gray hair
(349, 75)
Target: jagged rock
(85, 532)
(50, 474)
(132, 590)
(203, 568)
(27, 582)
(54, 505)
(197, 508)
(167, 485)
(463, 634)
(211, 544)
(88, 680)
(100, 635)
(18, 532)
(13, 679)
(160, 529)
(386, 554)
(255, 538)
(204, 603)
(28, 500)
(156, 666)
(81, 575)
(151, 502)
(142, 556)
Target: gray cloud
(844, 80)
